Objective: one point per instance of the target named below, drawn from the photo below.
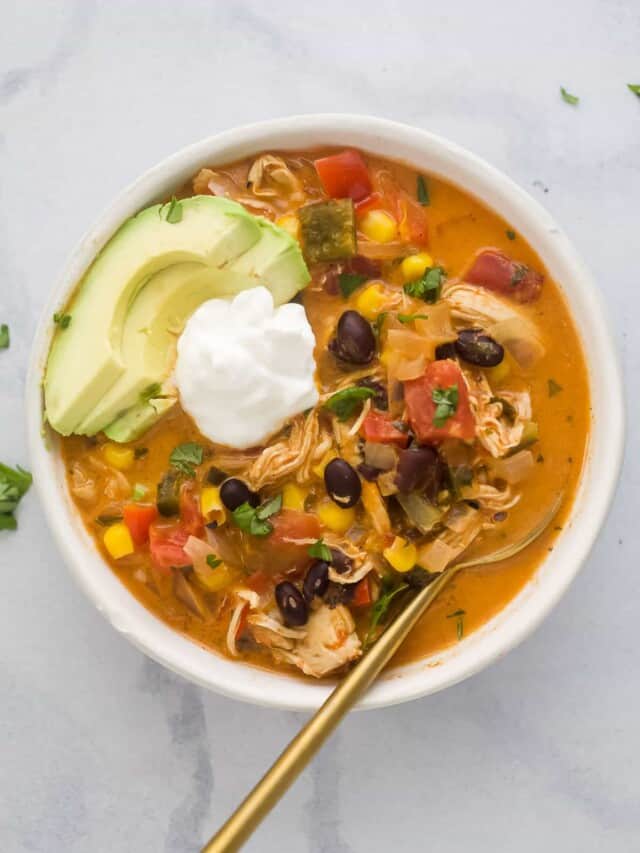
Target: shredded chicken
(294, 454)
(476, 306)
(491, 498)
(330, 642)
(246, 598)
(354, 574)
(269, 631)
(436, 555)
(497, 432)
(270, 177)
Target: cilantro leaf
(186, 456)
(427, 288)
(213, 561)
(254, 521)
(409, 318)
(446, 400)
(61, 319)
(344, 403)
(348, 282)
(14, 483)
(4, 336)
(635, 88)
(174, 214)
(320, 551)
(380, 608)
(511, 235)
(458, 615)
(568, 98)
(422, 191)
(150, 391)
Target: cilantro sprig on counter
(14, 483)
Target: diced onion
(520, 337)
(381, 456)
(514, 469)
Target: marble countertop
(103, 750)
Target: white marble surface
(103, 750)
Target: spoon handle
(308, 741)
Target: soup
(275, 444)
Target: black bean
(368, 472)
(234, 493)
(339, 593)
(291, 603)
(420, 469)
(342, 483)
(477, 348)
(380, 399)
(339, 561)
(354, 341)
(215, 476)
(447, 350)
(316, 580)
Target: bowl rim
(525, 612)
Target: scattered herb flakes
(409, 318)
(174, 213)
(568, 98)
(4, 336)
(553, 387)
(62, 320)
(379, 322)
(14, 483)
(349, 282)
(511, 235)
(635, 88)
(107, 520)
(344, 403)
(213, 561)
(151, 391)
(139, 492)
(422, 191)
(519, 272)
(320, 551)
(427, 288)
(446, 400)
(269, 508)
(509, 412)
(458, 615)
(185, 457)
(140, 452)
(380, 609)
(540, 458)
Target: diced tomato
(190, 514)
(138, 517)
(280, 554)
(496, 271)
(166, 544)
(418, 395)
(362, 594)
(344, 175)
(378, 427)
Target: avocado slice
(161, 309)
(85, 358)
(138, 419)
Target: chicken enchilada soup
(301, 388)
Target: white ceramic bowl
(436, 156)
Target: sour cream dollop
(244, 367)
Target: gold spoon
(308, 741)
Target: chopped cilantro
(511, 235)
(553, 387)
(568, 98)
(139, 491)
(348, 282)
(4, 336)
(380, 608)
(185, 457)
(409, 318)
(320, 551)
(174, 214)
(458, 615)
(422, 191)
(14, 483)
(213, 561)
(428, 287)
(61, 319)
(635, 88)
(254, 521)
(344, 403)
(446, 400)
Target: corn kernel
(117, 540)
(371, 301)
(211, 505)
(293, 497)
(318, 468)
(214, 580)
(118, 457)
(335, 518)
(379, 226)
(291, 224)
(413, 267)
(402, 555)
(496, 375)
